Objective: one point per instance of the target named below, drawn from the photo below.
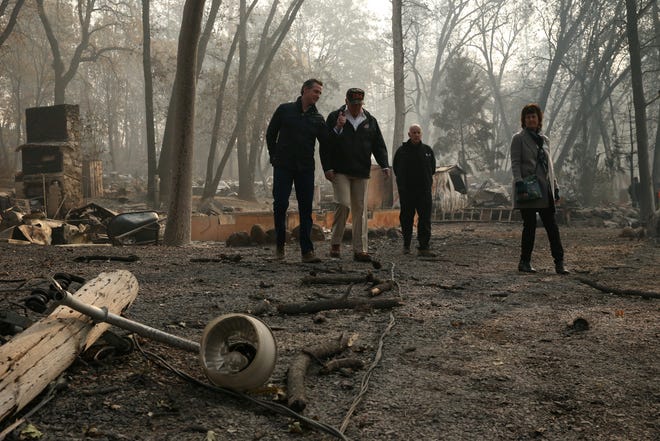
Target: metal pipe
(64, 297)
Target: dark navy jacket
(414, 166)
(291, 136)
(350, 151)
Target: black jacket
(414, 166)
(291, 136)
(350, 151)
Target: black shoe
(279, 253)
(406, 249)
(560, 268)
(525, 267)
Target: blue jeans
(283, 179)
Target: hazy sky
(380, 8)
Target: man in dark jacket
(291, 136)
(346, 161)
(414, 166)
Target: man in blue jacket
(414, 166)
(354, 137)
(291, 136)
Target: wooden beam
(38, 355)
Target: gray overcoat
(524, 154)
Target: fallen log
(341, 303)
(342, 279)
(222, 258)
(341, 363)
(297, 400)
(38, 355)
(621, 292)
(104, 258)
(381, 288)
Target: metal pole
(63, 297)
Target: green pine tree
(465, 132)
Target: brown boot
(362, 257)
(425, 252)
(310, 257)
(335, 251)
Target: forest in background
(467, 68)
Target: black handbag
(532, 189)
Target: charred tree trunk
(646, 202)
(399, 77)
(177, 229)
(148, 103)
(297, 399)
(12, 20)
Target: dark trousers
(547, 216)
(421, 203)
(283, 179)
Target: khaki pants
(351, 197)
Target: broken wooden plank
(38, 355)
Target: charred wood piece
(222, 258)
(87, 259)
(297, 399)
(621, 292)
(342, 303)
(381, 288)
(339, 279)
(342, 363)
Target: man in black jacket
(291, 136)
(414, 166)
(346, 161)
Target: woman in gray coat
(530, 155)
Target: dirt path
(476, 351)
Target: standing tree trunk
(257, 74)
(165, 163)
(206, 34)
(177, 228)
(113, 131)
(399, 77)
(646, 202)
(210, 184)
(12, 19)
(63, 76)
(570, 28)
(245, 187)
(149, 104)
(257, 131)
(656, 154)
